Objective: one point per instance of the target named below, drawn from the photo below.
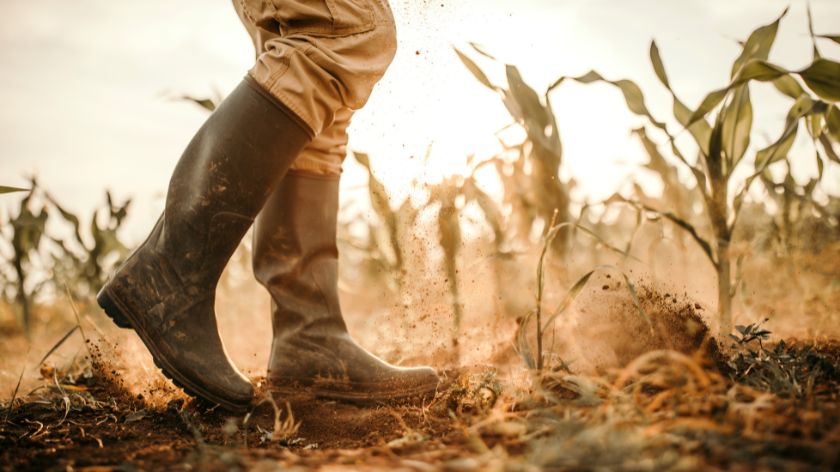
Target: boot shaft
(295, 255)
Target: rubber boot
(166, 289)
(296, 259)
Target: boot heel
(112, 311)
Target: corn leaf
(711, 100)
(70, 218)
(658, 66)
(815, 125)
(526, 98)
(780, 148)
(753, 70)
(803, 107)
(635, 101)
(832, 122)
(685, 225)
(5, 189)
(823, 77)
(776, 151)
(757, 45)
(700, 130)
(820, 165)
(828, 147)
(631, 288)
(568, 299)
(787, 85)
(714, 161)
(737, 126)
(206, 103)
(58, 344)
(480, 49)
(378, 194)
(476, 71)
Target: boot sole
(359, 398)
(124, 320)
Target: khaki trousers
(320, 58)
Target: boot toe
(423, 377)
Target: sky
(89, 87)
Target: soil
(93, 422)
(662, 395)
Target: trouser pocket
(315, 17)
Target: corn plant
(798, 205)
(86, 260)
(78, 264)
(447, 198)
(538, 191)
(535, 356)
(28, 228)
(722, 144)
(385, 236)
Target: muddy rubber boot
(296, 259)
(166, 289)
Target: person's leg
(165, 290)
(295, 255)
(304, 81)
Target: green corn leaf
(737, 126)
(700, 130)
(787, 85)
(589, 77)
(778, 150)
(58, 344)
(656, 161)
(568, 299)
(823, 77)
(206, 103)
(714, 161)
(476, 71)
(815, 125)
(480, 49)
(828, 147)
(832, 122)
(711, 100)
(820, 165)
(680, 222)
(757, 45)
(759, 70)
(376, 190)
(631, 288)
(69, 217)
(526, 98)
(5, 189)
(754, 70)
(633, 96)
(658, 66)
